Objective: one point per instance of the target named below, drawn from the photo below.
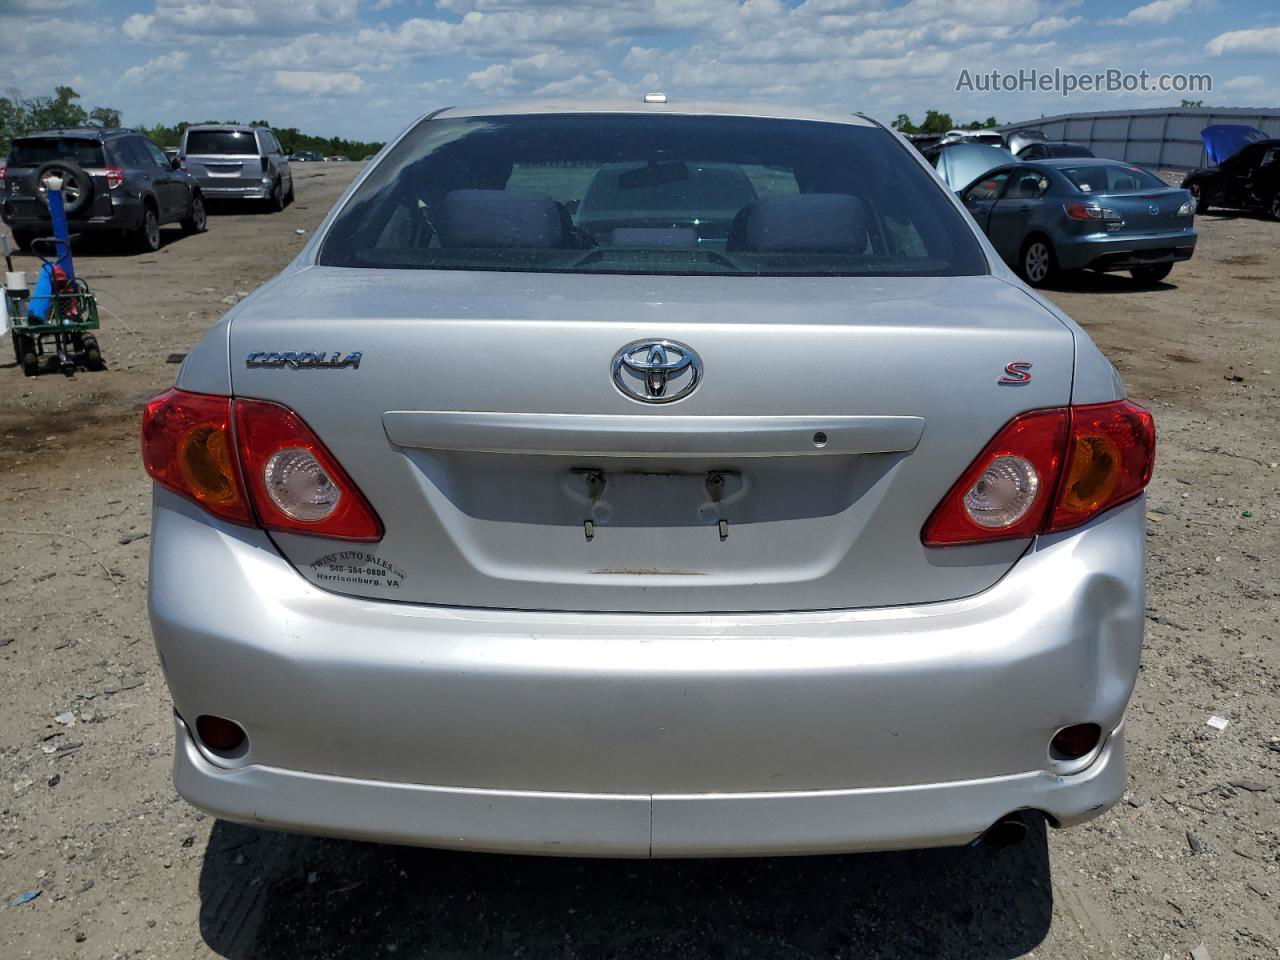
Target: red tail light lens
(296, 484)
(1113, 451)
(187, 447)
(3, 169)
(1048, 470)
(252, 462)
(115, 177)
(1019, 469)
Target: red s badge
(1019, 371)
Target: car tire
(1275, 206)
(1150, 276)
(275, 202)
(147, 237)
(288, 197)
(1197, 194)
(78, 194)
(1036, 263)
(198, 220)
(22, 239)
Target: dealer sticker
(355, 567)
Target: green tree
(104, 117)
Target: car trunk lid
(482, 422)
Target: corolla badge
(303, 360)
(656, 371)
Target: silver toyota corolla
(753, 507)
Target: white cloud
(1246, 82)
(319, 82)
(1157, 11)
(166, 65)
(235, 17)
(1043, 28)
(1261, 40)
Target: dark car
(306, 156)
(1070, 214)
(1247, 171)
(114, 181)
(1053, 150)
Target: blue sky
(366, 68)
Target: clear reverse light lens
(1003, 494)
(298, 485)
(1187, 209)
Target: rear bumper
(126, 214)
(1121, 252)
(638, 735)
(214, 189)
(636, 825)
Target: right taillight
(1112, 454)
(115, 177)
(1048, 470)
(252, 462)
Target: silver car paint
(642, 733)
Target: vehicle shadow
(1089, 281)
(288, 897)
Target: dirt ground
(124, 869)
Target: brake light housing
(3, 170)
(1045, 471)
(254, 463)
(115, 177)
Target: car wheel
(1198, 195)
(288, 197)
(1275, 206)
(1036, 263)
(275, 203)
(147, 236)
(198, 221)
(1150, 276)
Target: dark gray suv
(114, 180)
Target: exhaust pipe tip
(1009, 831)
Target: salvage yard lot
(89, 819)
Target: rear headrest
(653, 237)
(801, 223)
(499, 218)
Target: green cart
(63, 338)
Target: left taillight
(1048, 470)
(115, 177)
(188, 447)
(3, 170)
(252, 462)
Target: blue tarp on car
(1224, 140)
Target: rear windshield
(1112, 178)
(221, 141)
(1069, 150)
(34, 151)
(633, 193)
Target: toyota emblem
(656, 371)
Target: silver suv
(237, 163)
(753, 506)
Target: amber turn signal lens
(1092, 474)
(205, 459)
